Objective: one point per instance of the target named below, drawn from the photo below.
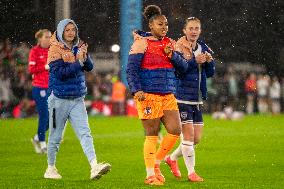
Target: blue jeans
(40, 96)
(74, 110)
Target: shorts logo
(183, 115)
(148, 110)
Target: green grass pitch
(232, 154)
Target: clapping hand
(168, 50)
(201, 58)
(209, 57)
(83, 50)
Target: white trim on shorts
(187, 122)
(189, 102)
(191, 122)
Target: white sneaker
(43, 150)
(99, 170)
(43, 147)
(36, 145)
(52, 173)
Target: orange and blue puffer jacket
(149, 69)
(66, 74)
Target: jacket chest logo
(148, 111)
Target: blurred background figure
(118, 97)
(282, 94)
(262, 93)
(228, 114)
(22, 54)
(250, 87)
(5, 95)
(275, 94)
(233, 88)
(210, 106)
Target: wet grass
(241, 154)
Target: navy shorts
(190, 114)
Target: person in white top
(262, 86)
(275, 94)
(282, 94)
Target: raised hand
(168, 50)
(209, 57)
(201, 58)
(83, 50)
(139, 95)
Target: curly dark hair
(151, 11)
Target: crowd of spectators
(243, 91)
(249, 92)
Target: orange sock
(150, 148)
(166, 145)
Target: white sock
(188, 155)
(51, 166)
(150, 172)
(176, 154)
(42, 144)
(36, 137)
(93, 163)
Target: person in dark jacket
(191, 90)
(68, 60)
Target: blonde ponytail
(40, 33)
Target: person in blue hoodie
(68, 59)
(191, 90)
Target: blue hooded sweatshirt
(67, 79)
